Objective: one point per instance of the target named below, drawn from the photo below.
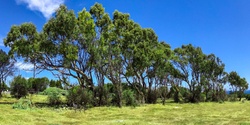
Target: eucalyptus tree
(238, 84)
(99, 49)
(190, 63)
(65, 44)
(24, 42)
(123, 50)
(108, 51)
(233, 79)
(61, 46)
(214, 78)
(161, 70)
(7, 68)
(140, 59)
(243, 85)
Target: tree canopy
(93, 46)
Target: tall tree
(190, 63)
(214, 78)
(24, 42)
(7, 68)
(238, 84)
(66, 42)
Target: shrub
(177, 97)
(54, 95)
(102, 95)
(202, 97)
(78, 96)
(19, 87)
(54, 98)
(152, 96)
(22, 104)
(54, 89)
(233, 97)
(247, 96)
(129, 98)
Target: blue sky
(221, 27)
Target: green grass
(191, 114)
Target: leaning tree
(7, 68)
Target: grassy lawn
(203, 113)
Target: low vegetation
(226, 113)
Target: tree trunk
(119, 95)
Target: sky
(221, 27)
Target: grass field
(228, 113)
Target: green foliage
(54, 90)
(92, 44)
(102, 94)
(152, 96)
(54, 98)
(233, 97)
(202, 97)
(19, 87)
(247, 96)
(6, 69)
(81, 97)
(54, 95)
(38, 84)
(22, 103)
(238, 84)
(4, 87)
(55, 83)
(129, 97)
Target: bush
(102, 95)
(233, 97)
(38, 84)
(202, 97)
(54, 98)
(19, 87)
(22, 104)
(152, 96)
(54, 89)
(54, 95)
(129, 98)
(78, 96)
(247, 96)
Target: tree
(190, 63)
(214, 78)
(19, 87)
(38, 84)
(238, 84)
(93, 47)
(7, 68)
(55, 83)
(24, 42)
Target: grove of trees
(94, 47)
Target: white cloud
(46, 7)
(24, 66)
